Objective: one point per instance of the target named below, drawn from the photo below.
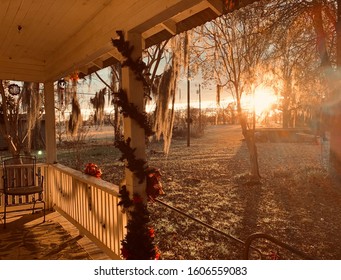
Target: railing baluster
(90, 204)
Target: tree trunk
(335, 115)
(251, 145)
(249, 135)
(286, 118)
(9, 124)
(335, 140)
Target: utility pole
(199, 92)
(188, 107)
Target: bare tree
(27, 103)
(32, 101)
(230, 50)
(325, 19)
(294, 62)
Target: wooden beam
(94, 38)
(97, 62)
(50, 124)
(216, 6)
(170, 26)
(153, 31)
(165, 14)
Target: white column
(135, 94)
(50, 123)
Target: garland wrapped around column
(138, 243)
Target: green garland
(135, 165)
(138, 244)
(130, 110)
(137, 66)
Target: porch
(27, 238)
(45, 41)
(52, 44)
(87, 222)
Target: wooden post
(188, 107)
(50, 123)
(132, 130)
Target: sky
(88, 89)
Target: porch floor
(26, 237)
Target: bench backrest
(19, 172)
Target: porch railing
(90, 204)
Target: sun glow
(262, 101)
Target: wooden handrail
(90, 204)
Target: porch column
(135, 94)
(50, 123)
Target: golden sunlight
(262, 101)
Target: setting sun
(262, 101)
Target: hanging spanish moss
(164, 116)
(186, 50)
(218, 94)
(76, 116)
(98, 103)
(31, 102)
(116, 74)
(162, 101)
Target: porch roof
(44, 40)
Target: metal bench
(22, 185)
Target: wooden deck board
(26, 237)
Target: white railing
(91, 204)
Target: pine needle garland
(137, 66)
(138, 243)
(128, 109)
(135, 165)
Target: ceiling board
(62, 36)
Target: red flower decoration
(74, 76)
(93, 170)
(151, 232)
(154, 186)
(157, 253)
